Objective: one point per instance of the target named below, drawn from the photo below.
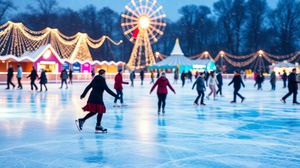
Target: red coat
(162, 84)
(119, 81)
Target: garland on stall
(16, 39)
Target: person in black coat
(33, 76)
(95, 104)
(200, 83)
(220, 83)
(273, 80)
(293, 87)
(71, 76)
(10, 74)
(142, 76)
(260, 79)
(284, 78)
(43, 80)
(237, 82)
(183, 76)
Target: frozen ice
(38, 130)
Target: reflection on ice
(37, 130)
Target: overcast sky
(170, 6)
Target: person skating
(95, 104)
(19, 76)
(237, 81)
(64, 76)
(212, 82)
(162, 91)
(293, 87)
(183, 76)
(152, 76)
(176, 76)
(200, 83)
(142, 76)
(273, 80)
(93, 73)
(132, 77)
(43, 81)
(190, 76)
(260, 79)
(220, 84)
(119, 88)
(71, 76)
(284, 78)
(33, 76)
(10, 74)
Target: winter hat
(101, 71)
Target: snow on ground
(38, 130)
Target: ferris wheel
(143, 23)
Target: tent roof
(177, 49)
(284, 64)
(201, 61)
(177, 58)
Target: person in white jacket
(212, 82)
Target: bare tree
(285, 20)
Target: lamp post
(156, 56)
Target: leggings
(91, 114)
(212, 90)
(162, 100)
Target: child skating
(200, 83)
(95, 104)
(162, 91)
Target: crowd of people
(212, 80)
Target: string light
(16, 39)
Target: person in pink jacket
(162, 91)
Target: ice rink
(38, 130)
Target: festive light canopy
(143, 24)
(16, 39)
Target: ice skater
(212, 82)
(220, 84)
(273, 80)
(43, 81)
(183, 76)
(260, 80)
(33, 76)
(132, 77)
(142, 76)
(176, 76)
(64, 76)
(10, 74)
(71, 76)
(95, 104)
(293, 87)
(237, 82)
(119, 88)
(19, 76)
(162, 91)
(284, 78)
(93, 73)
(200, 83)
(152, 76)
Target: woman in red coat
(95, 104)
(119, 88)
(162, 91)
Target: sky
(170, 7)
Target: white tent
(176, 58)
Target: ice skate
(79, 123)
(124, 105)
(116, 105)
(100, 130)
(196, 104)
(283, 101)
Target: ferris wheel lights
(144, 22)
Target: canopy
(176, 58)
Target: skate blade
(101, 132)
(77, 125)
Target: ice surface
(38, 130)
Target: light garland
(16, 39)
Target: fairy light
(16, 39)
